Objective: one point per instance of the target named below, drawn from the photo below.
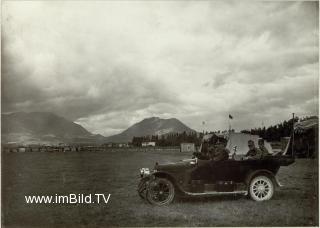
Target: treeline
(274, 133)
(171, 139)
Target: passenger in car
(253, 153)
(263, 149)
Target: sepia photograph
(159, 113)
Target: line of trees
(272, 133)
(275, 132)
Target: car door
(202, 171)
(228, 170)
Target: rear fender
(265, 172)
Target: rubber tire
(171, 192)
(267, 182)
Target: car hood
(174, 165)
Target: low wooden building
(187, 147)
(146, 144)
(21, 149)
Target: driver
(253, 153)
(220, 153)
(207, 147)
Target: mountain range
(43, 128)
(48, 128)
(151, 126)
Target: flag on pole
(230, 117)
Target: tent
(307, 124)
(240, 140)
(306, 137)
(207, 137)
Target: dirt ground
(117, 172)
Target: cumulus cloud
(107, 65)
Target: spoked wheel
(261, 188)
(160, 192)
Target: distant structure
(123, 145)
(146, 144)
(306, 144)
(187, 147)
(21, 149)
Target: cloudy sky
(107, 65)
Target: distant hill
(43, 128)
(48, 128)
(150, 126)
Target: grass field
(117, 172)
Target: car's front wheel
(261, 188)
(160, 192)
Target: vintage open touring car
(195, 177)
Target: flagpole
(292, 136)
(231, 145)
(229, 119)
(203, 123)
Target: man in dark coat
(220, 153)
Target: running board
(215, 193)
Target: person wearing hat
(220, 152)
(253, 153)
(263, 149)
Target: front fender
(162, 174)
(170, 177)
(143, 185)
(144, 182)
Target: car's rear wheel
(261, 188)
(160, 192)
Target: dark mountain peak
(151, 126)
(174, 119)
(154, 118)
(150, 119)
